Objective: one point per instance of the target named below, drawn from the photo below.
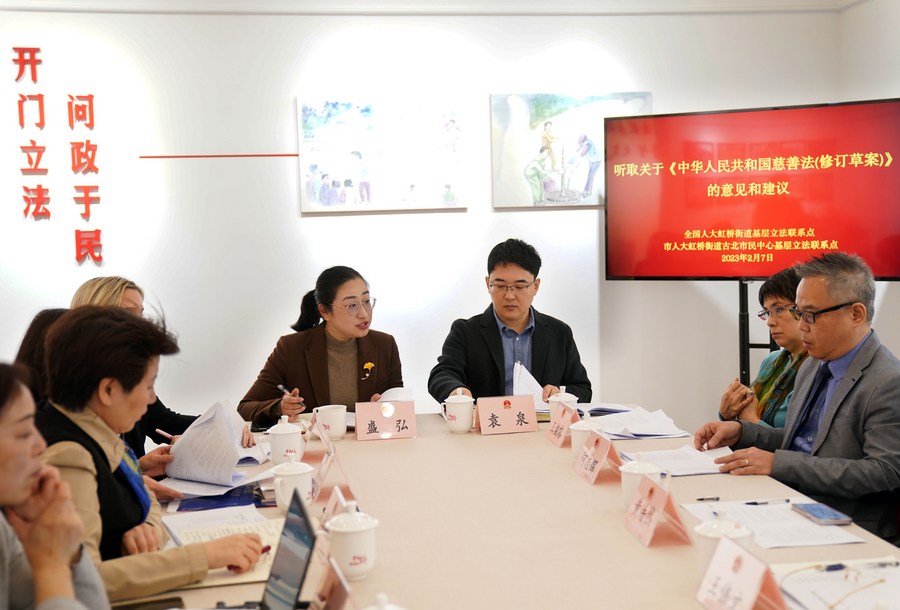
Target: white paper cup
(333, 419)
(708, 534)
(579, 431)
(633, 472)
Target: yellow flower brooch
(367, 367)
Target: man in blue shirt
(841, 440)
(479, 353)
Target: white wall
(220, 246)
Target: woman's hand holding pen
(292, 403)
(238, 552)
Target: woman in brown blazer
(333, 358)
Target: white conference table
(472, 521)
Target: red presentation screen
(746, 193)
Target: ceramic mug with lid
(334, 419)
(458, 411)
(285, 439)
(561, 398)
(290, 476)
(352, 536)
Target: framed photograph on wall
(362, 155)
(547, 149)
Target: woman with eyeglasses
(766, 400)
(333, 358)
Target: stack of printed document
(680, 462)
(596, 409)
(639, 423)
(525, 383)
(773, 523)
(207, 454)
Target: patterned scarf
(132, 470)
(774, 383)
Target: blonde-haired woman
(113, 291)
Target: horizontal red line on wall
(216, 156)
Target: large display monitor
(741, 194)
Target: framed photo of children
(547, 149)
(360, 156)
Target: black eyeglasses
(776, 311)
(515, 288)
(353, 308)
(810, 316)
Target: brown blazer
(299, 361)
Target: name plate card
(738, 580)
(506, 414)
(597, 453)
(653, 512)
(385, 420)
(334, 591)
(564, 417)
(324, 492)
(335, 506)
(321, 473)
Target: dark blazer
(854, 465)
(120, 509)
(300, 361)
(472, 357)
(157, 416)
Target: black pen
(710, 499)
(764, 502)
(289, 393)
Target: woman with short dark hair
(101, 367)
(766, 400)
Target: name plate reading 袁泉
(506, 414)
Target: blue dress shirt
(516, 348)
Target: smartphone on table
(822, 513)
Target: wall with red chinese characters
(163, 147)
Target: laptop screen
(292, 558)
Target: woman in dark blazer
(333, 358)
